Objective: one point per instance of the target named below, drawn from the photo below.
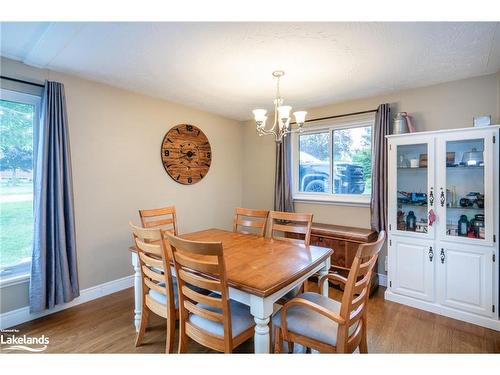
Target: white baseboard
(382, 279)
(15, 317)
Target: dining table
(260, 271)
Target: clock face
(186, 154)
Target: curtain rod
(337, 116)
(21, 81)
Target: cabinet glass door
(413, 193)
(465, 195)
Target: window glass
(16, 187)
(314, 162)
(352, 160)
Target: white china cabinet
(443, 212)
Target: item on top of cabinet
(422, 161)
(480, 121)
(401, 222)
(463, 226)
(477, 223)
(403, 124)
(450, 159)
(411, 221)
(472, 158)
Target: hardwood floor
(105, 326)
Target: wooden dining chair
(159, 290)
(297, 224)
(212, 320)
(164, 218)
(258, 220)
(323, 324)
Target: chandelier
(281, 126)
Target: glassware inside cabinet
(465, 200)
(412, 186)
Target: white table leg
(137, 291)
(262, 336)
(261, 309)
(324, 271)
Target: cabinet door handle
(431, 197)
(442, 198)
(442, 256)
(431, 253)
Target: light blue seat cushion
(306, 322)
(162, 298)
(241, 319)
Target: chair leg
(290, 346)
(278, 340)
(363, 345)
(144, 324)
(169, 342)
(182, 338)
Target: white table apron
(261, 308)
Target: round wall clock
(186, 154)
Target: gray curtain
(378, 204)
(282, 180)
(54, 278)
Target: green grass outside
(16, 231)
(21, 188)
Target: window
(18, 118)
(333, 162)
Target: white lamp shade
(300, 117)
(284, 111)
(260, 115)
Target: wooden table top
(262, 266)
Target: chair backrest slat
(202, 264)
(201, 298)
(199, 281)
(258, 220)
(291, 222)
(356, 292)
(164, 218)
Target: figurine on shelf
(411, 221)
(401, 223)
(463, 226)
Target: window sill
(14, 280)
(360, 203)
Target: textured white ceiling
(226, 68)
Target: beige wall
(115, 140)
(444, 106)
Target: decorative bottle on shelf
(463, 226)
(411, 221)
(453, 196)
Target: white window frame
(23, 274)
(321, 127)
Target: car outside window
(333, 163)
